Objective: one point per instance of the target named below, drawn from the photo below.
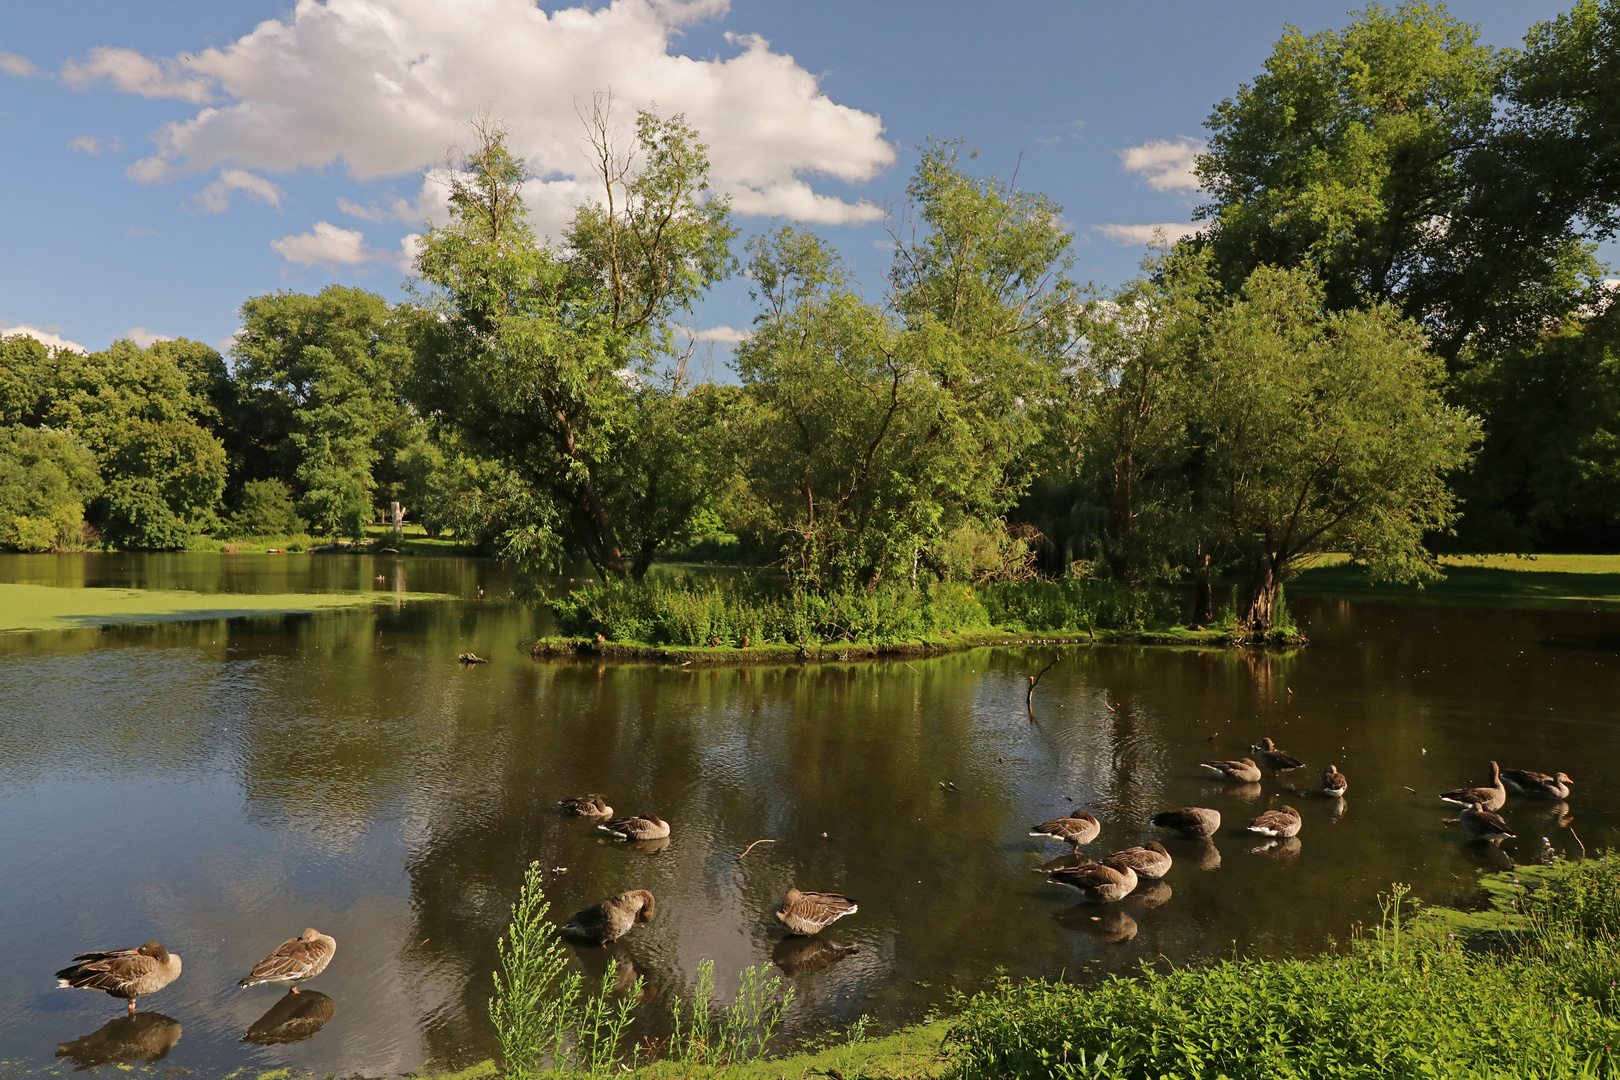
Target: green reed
(731, 1034)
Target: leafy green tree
(27, 371)
(46, 477)
(320, 382)
(543, 358)
(1323, 431)
(266, 509)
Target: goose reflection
(1247, 793)
(1111, 926)
(595, 961)
(1486, 853)
(1282, 849)
(297, 1016)
(1151, 894)
(1202, 854)
(1067, 859)
(146, 1036)
(639, 847)
(798, 956)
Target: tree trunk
(1261, 599)
(1203, 592)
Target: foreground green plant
(736, 1033)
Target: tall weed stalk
(739, 1032)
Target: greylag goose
(294, 960)
(147, 1036)
(1283, 821)
(124, 973)
(1100, 882)
(1076, 829)
(807, 913)
(1193, 822)
(1150, 861)
(1274, 759)
(613, 918)
(639, 827)
(591, 807)
(1482, 824)
(292, 1019)
(1333, 782)
(1490, 797)
(1536, 785)
(1244, 772)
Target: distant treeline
(1392, 336)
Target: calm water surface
(219, 786)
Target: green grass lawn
(1530, 577)
(43, 607)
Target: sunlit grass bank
(1524, 577)
(43, 607)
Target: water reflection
(293, 1018)
(1199, 854)
(798, 956)
(1281, 849)
(1486, 853)
(1150, 895)
(146, 1036)
(1112, 926)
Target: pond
(219, 786)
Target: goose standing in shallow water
(613, 918)
(1333, 782)
(639, 827)
(1150, 861)
(1489, 797)
(592, 808)
(1536, 785)
(1100, 882)
(1076, 829)
(807, 913)
(1244, 771)
(1274, 759)
(125, 973)
(1482, 824)
(294, 960)
(1193, 822)
(1283, 821)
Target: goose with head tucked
(1099, 882)
(1244, 771)
(591, 808)
(1275, 759)
(294, 960)
(1482, 824)
(639, 827)
(1536, 785)
(1487, 797)
(1193, 822)
(1151, 860)
(1283, 821)
(1334, 785)
(124, 973)
(610, 920)
(805, 913)
(1076, 829)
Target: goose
(639, 827)
(1482, 824)
(807, 913)
(1274, 759)
(1150, 861)
(1283, 821)
(294, 960)
(1076, 829)
(591, 807)
(125, 973)
(1490, 797)
(1333, 782)
(1536, 785)
(1245, 771)
(613, 918)
(1193, 822)
(1100, 882)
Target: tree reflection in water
(146, 1036)
(293, 1018)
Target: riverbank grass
(1520, 577)
(45, 607)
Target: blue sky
(170, 160)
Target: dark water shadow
(1486, 853)
(146, 1036)
(798, 956)
(294, 1018)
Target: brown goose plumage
(294, 960)
(613, 918)
(124, 973)
(1099, 882)
(1283, 821)
(1537, 785)
(1488, 797)
(1076, 829)
(1244, 771)
(1150, 861)
(639, 827)
(591, 807)
(1194, 822)
(1334, 784)
(812, 912)
(1274, 759)
(1482, 824)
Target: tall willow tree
(545, 358)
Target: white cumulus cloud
(1142, 235)
(12, 64)
(45, 337)
(729, 335)
(325, 245)
(133, 73)
(95, 145)
(1166, 164)
(216, 197)
(143, 337)
(384, 86)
